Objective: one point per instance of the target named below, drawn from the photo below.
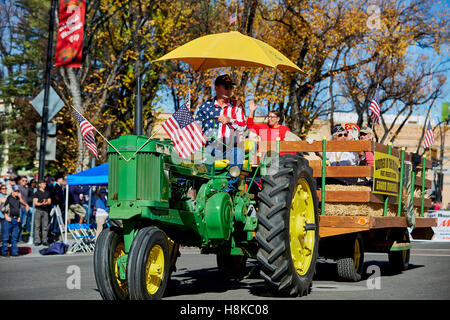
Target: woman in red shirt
(267, 131)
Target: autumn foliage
(347, 48)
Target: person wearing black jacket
(11, 226)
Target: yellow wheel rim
(119, 251)
(154, 269)
(357, 254)
(302, 241)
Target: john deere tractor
(163, 202)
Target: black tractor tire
(351, 266)
(281, 273)
(232, 267)
(108, 248)
(399, 260)
(148, 265)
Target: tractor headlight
(234, 171)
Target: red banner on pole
(69, 44)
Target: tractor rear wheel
(148, 265)
(288, 227)
(109, 248)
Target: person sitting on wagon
(271, 130)
(341, 158)
(366, 133)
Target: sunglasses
(272, 117)
(342, 135)
(227, 86)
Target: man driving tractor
(222, 123)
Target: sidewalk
(30, 250)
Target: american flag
(86, 131)
(186, 134)
(429, 137)
(233, 18)
(374, 109)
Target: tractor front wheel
(148, 265)
(109, 248)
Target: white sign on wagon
(442, 231)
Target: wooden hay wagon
(355, 219)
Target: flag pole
(101, 134)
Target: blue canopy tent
(97, 176)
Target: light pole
(48, 68)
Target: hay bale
(358, 209)
(365, 209)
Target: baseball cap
(337, 129)
(223, 80)
(366, 130)
(15, 188)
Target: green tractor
(150, 194)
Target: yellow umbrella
(230, 49)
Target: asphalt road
(71, 277)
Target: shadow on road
(327, 271)
(194, 282)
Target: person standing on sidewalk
(101, 212)
(25, 213)
(11, 225)
(3, 197)
(42, 201)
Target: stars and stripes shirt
(207, 115)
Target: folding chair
(82, 241)
(89, 234)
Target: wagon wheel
(350, 267)
(399, 260)
(148, 265)
(288, 232)
(109, 248)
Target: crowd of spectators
(37, 199)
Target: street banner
(442, 231)
(69, 43)
(386, 175)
